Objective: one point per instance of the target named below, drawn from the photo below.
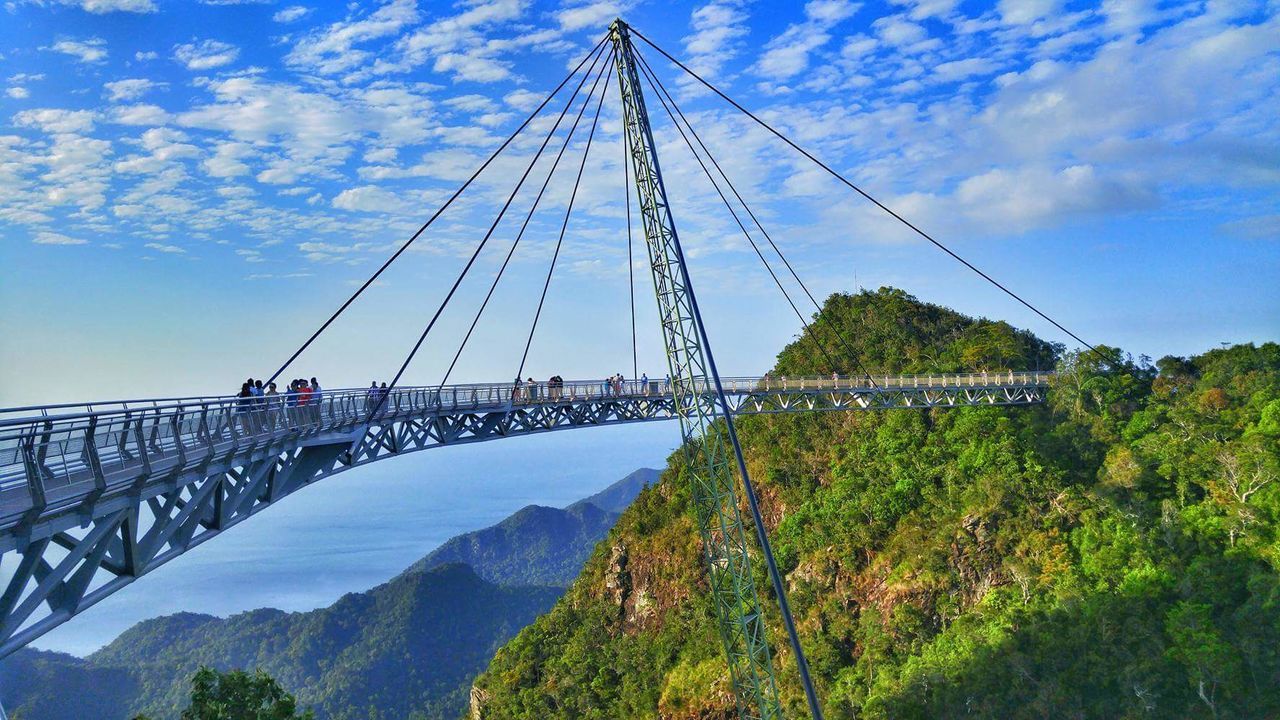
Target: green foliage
(237, 695)
(1112, 554)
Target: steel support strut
(699, 403)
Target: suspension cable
(787, 296)
(662, 90)
(565, 225)
(1113, 361)
(382, 399)
(524, 226)
(631, 279)
(594, 51)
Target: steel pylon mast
(698, 398)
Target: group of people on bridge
(259, 407)
(532, 391)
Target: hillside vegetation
(1111, 554)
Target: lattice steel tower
(697, 392)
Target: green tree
(238, 695)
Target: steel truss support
(61, 574)
(704, 422)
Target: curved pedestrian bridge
(95, 495)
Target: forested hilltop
(1111, 554)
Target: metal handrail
(737, 384)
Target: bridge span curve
(94, 496)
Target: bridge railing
(58, 454)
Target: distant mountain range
(406, 649)
(541, 545)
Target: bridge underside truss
(98, 530)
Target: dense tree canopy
(1111, 554)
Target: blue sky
(187, 189)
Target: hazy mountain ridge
(406, 649)
(541, 545)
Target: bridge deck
(124, 486)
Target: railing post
(35, 475)
(175, 427)
(203, 433)
(142, 446)
(91, 457)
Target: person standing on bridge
(533, 389)
(304, 400)
(517, 391)
(291, 404)
(259, 404)
(644, 383)
(272, 399)
(244, 407)
(316, 397)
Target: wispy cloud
(53, 238)
(162, 247)
(130, 89)
(787, 55)
(291, 14)
(205, 54)
(100, 7)
(91, 50)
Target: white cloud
(1025, 12)
(368, 198)
(54, 120)
(18, 93)
(717, 27)
(162, 247)
(898, 31)
(787, 55)
(206, 54)
(129, 89)
(522, 99)
(592, 14)
(141, 114)
(961, 69)
(290, 14)
(92, 50)
(145, 56)
(465, 46)
(52, 238)
(1031, 197)
(925, 9)
(105, 6)
(332, 49)
(228, 160)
